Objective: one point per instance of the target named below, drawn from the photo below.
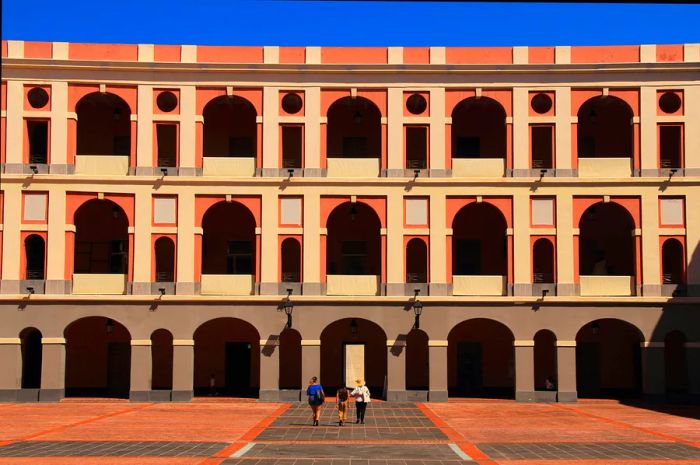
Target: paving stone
(109, 449)
(582, 451)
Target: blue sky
(291, 22)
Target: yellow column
(142, 243)
(565, 245)
(144, 127)
(651, 273)
(394, 244)
(312, 244)
(56, 243)
(59, 128)
(521, 243)
(562, 105)
(269, 253)
(438, 245)
(185, 243)
(13, 152)
(692, 130)
(11, 243)
(395, 132)
(188, 106)
(692, 240)
(521, 162)
(437, 132)
(312, 131)
(270, 155)
(647, 111)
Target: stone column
(437, 353)
(396, 369)
(310, 360)
(566, 371)
(270, 369)
(653, 370)
(11, 363)
(141, 369)
(692, 353)
(524, 371)
(53, 369)
(183, 369)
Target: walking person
(316, 399)
(343, 400)
(361, 395)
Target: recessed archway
(479, 129)
(543, 262)
(226, 358)
(605, 128)
(165, 260)
(545, 354)
(228, 239)
(608, 359)
(672, 262)
(98, 358)
(416, 261)
(481, 359)
(104, 125)
(606, 244)
(676, 363)
(290, 360)
(230, 128)
(350, 348)
(31, 358)
(353, 245)
(291, 260)
(479, 241)
(35, 253)
(417, 361)
(161, 360)
(354, 129)
(101, 238)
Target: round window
(292, 103)
(416, 104)
(669, 102)
(541, 103)
(166, 101)
(38, 97)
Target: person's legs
(317, 414)
(346, 405)
(362, 413)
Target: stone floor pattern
(240, 432)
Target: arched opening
(416, 261)
(161, 360)
(98, 358)
(354, 243)
(417, 361)
(226, 358)
(31, 358)
(291, 261)
(104, 125)
(354, 129)
(228, 240)
(545, 354)
(481, 359)
(543, 261)
(479, 129)
(605, 128)
(35, 252)
(608, 359)
(165, 260)
(290, 360)
(479, 241)
(230, 128)
(676, 363)
(606, 244)
(673, 262)
(353, 348)
(101, 238)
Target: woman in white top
(361, 395)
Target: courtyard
(247, 432)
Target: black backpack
(342, 394)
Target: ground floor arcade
(172, 351)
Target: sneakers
(315, 422)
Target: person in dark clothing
(316, 399)
(361, 395)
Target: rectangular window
(416, 147)
(166, 135)
(239, 259)
(670, 146)
(468, 147)
(354, 147)
(292, 146)
(38, 134)
(542, 146)
(240, 147)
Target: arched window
(101, 238)
(478, 129)
(606, 244)
(291, 261)
(354, 129)
(230, 128)
(416, 261)
(353, 245)
(34, 250)
(104, 125)
(165, 260)
(605, 129)
(479, 241)
(228, 246)
(543, 261)
(673, 262)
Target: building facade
(517, 222)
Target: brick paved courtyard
(240, 432)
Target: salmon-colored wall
(478, 55)
(109, 52)
(27, 106)
(354, 55)
(203, 202)
(330, 96)
(158, 111)
(581, 96)
(328, 204)
(605, 54)
(38, 50)
(669, 53)
(292, 55)
(4, 48)
(229, 54)
(416, 55)
(207, 94)
(540, 55)
(169, 53)
(425, 95)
